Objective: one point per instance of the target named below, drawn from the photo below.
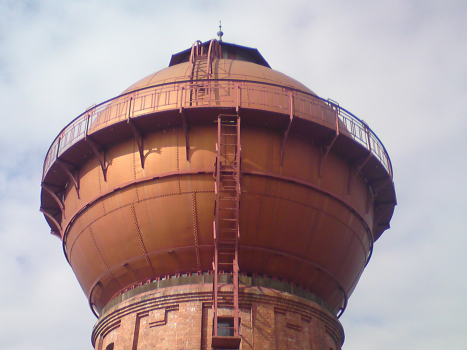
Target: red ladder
(226, 224)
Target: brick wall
(180, 317)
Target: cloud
(400, 66)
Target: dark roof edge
(184, 56)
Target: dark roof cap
(229, 51)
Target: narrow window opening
(226, 339)
(225, 327)
(110, 346)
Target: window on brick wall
(110, 346)
(225, 338)
(225, 327)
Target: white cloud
(398, 65)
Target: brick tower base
(176, 313)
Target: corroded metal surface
(129, 184)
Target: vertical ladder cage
(226, 225)
(201, 60)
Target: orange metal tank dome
(129, 186)
(223, 69)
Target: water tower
(217, 204)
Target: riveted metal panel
(310, 172)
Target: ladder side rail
(237, 233)
(216, 228)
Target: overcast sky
(400, 65)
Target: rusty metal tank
(129, 185)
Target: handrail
(213, 53)
(195, 50)
(161, 97)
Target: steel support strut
(226, 228)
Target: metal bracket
(139, 140)
(93, 144)
(185, 129)
(328, 148)
(74, 180)
(380, 187)
(352, 177)
(370, 154)
(51, 185)
(55, 197)
(286, 135)
(51, 217)
(377, 219)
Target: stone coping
(244, 281)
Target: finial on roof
(220, 33)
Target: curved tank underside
(129, 186)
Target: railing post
(238, 97)
(58, 146)
(87, 125)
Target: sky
(400, 65)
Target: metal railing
(216, 93)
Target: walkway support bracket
(185, 130)
(74, 179)
(55, 198)
(101, 158)
(328, 148)
(286, 135)
(137, 134)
